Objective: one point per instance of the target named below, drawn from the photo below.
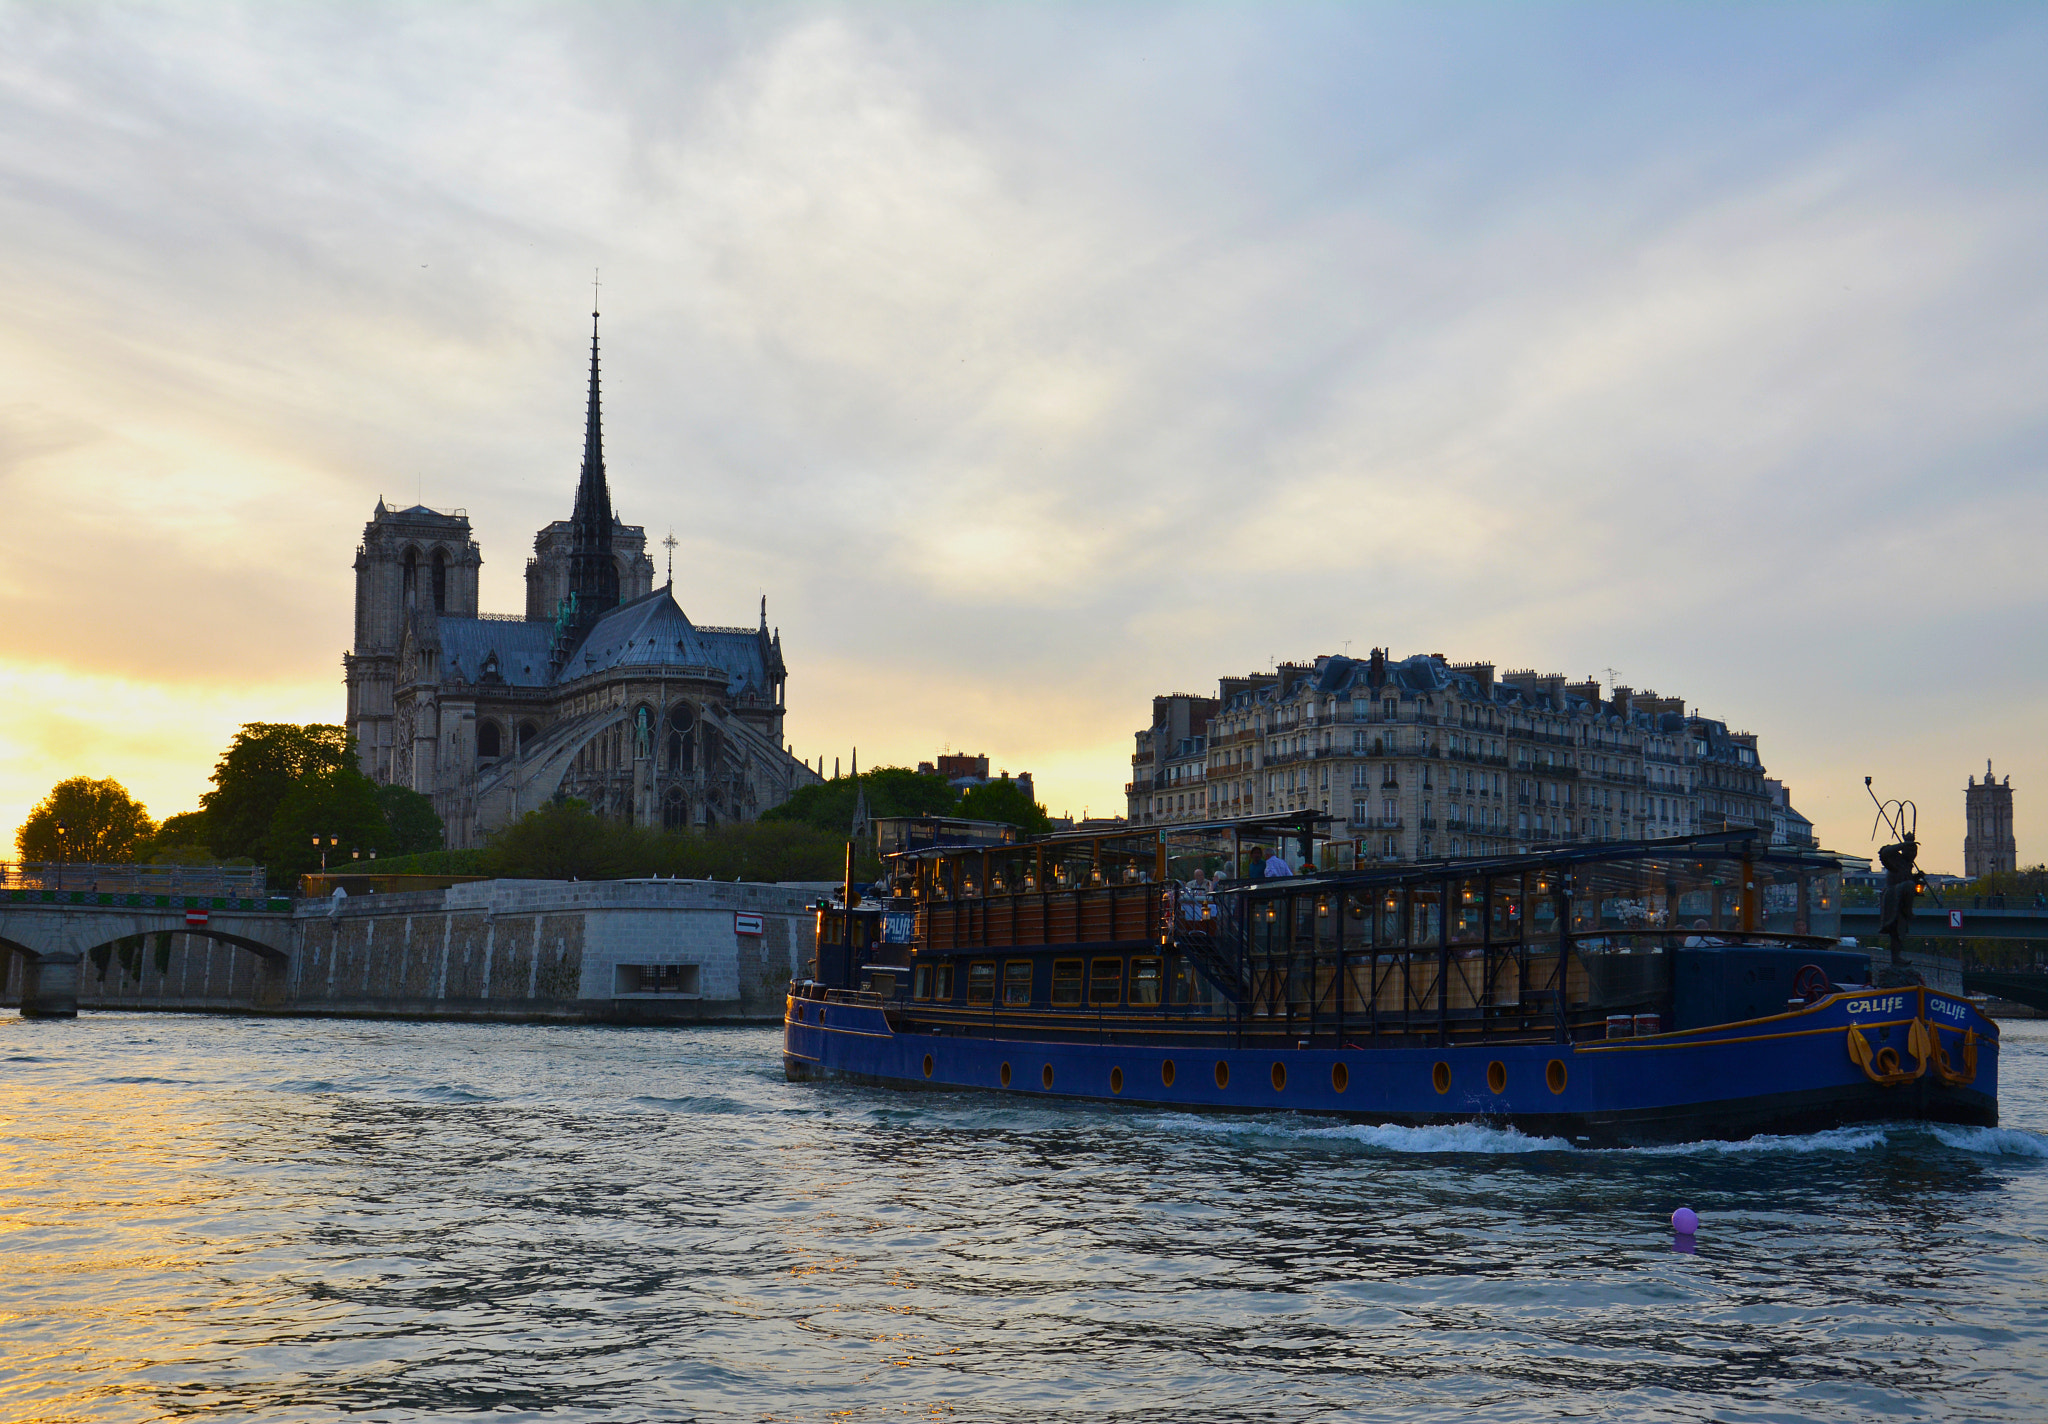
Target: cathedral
(603, 690)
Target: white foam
(1835, 1139)
(1993, 1141)
(1470, 1137)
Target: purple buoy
(1685, 1221)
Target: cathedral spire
(593, 567)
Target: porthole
(1116, 1080)
(1440, 1076)
(1497, 1076)
(927, 1065)
(1340, 1077)
(1005, 1075)
(1279, 1076)
(1553, 1076)
(1222, 1074)
(1045, 1077)
(1166, 1073)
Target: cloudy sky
(1036, 359)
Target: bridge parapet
(233, 882)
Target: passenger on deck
(1276, 868)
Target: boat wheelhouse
(1621, 992)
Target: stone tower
(411, 560)
(1987, 826)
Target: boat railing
(1094, 914)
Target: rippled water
(300, 1219)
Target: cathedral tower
(1988, 843)
(416, 560)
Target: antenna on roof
(1611, 676)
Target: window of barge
(1017, 984)
(921, 982)
(942, 983)
(1066, 983)
(1105, 983)
(981, 982)
(1145, 981)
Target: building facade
(1422, 759)
(1988, 843)
(603, 690)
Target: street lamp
(62, 831)
(321, 843)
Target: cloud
(1036, 361)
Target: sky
(1035, 360)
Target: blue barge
(1623, 993)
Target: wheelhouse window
(921, 982)
(942, 983)
(1066, 983)
(1144, 982)
(1105, 983)
(1017, 984)
(981, 982)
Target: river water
(305, 1219)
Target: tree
(1004, 800)
(102, 824)
(182, 839)
(563, 840)
(411, 826)
(333, 802)
(258, 771)
(891, 791)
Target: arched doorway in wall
(440, 580)
(489, 744)
(411, 578)
(527, 732)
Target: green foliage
(103, 824)
(410, 823)
(2024, 884)
(1003, 800)
(183, 839)
(338, 803)
(258, 771)
(891, 791)
(432, 862)
(564, 840)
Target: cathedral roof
(469, 645)
(653, 632)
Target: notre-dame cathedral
(602, 690)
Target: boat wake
(1992, 1141)
(1462, 1137)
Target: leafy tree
(1004, 800)
(182, 839)
(102, 823)
(410, 822)
(475, 861)
(891, 791)
(564, 840)
(337, 802)
(258, 771)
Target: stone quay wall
(635, 951)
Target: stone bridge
(54, 932)
(631, 951)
